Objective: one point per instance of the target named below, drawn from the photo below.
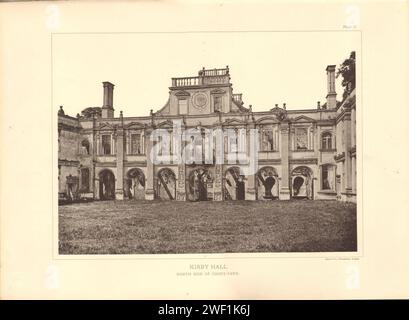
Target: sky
(268, 68)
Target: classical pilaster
(218, 180)
(149, 186)
(347, 140)
(119, 185)
(353, 177)
(218, 169)
(252, 151)
(94, 149)
(285, 179)
(179, 144)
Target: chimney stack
(331, 95)
(108, 106)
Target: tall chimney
(108, 106)
(331, 95)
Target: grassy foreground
(136, 227)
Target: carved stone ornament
(199, 100)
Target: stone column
(347, 140)
(218, 180)
(95, 178)
(251, 150)
(218, 169)
(285, 179)
(149, 185)
(119, 185)
(178, 157)
(353, 178)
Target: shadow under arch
(267, 183)
(135, 184)
(166, 184)
(302, 183)
(106, 185)
(234, 184)
(198, 184)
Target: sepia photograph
(175, 143)
(204, 150)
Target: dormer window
(326, 141)
(136, 145)
(217, 102)
(106, 144)
(182, 106)
(301, 139)
(267, 139)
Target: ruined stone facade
(309, 153)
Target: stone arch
(166, 184)
(267, 183)
(106, 185)
(199, 181)
(135, 184)
(167, 124)
(302, 182)
(267, 120)
(234, 184)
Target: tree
(91, 112)
(347, 71)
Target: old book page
(204, 150)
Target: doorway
(106, 185)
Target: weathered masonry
(309, 153)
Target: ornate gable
(217, 91)
(106, 126)
(232, 122)
(268, 119)
(165, 109)
(182, 94)
(303, 119)
(165, 124)
(280, 113)
(135, 125)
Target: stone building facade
(309, 153)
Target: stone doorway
(302, 183)
(135, 184)
(166, 185)
(106, 185)
(234, 184)
(267, 184)
(200, 182)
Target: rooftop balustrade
(205, 77)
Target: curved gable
(267, 119)
(135, 125)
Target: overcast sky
(267, 67)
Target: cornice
(135, 164)
(105, 164)
(68, 163)
(269, 161)
(304, 161)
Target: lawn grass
(145, 227)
